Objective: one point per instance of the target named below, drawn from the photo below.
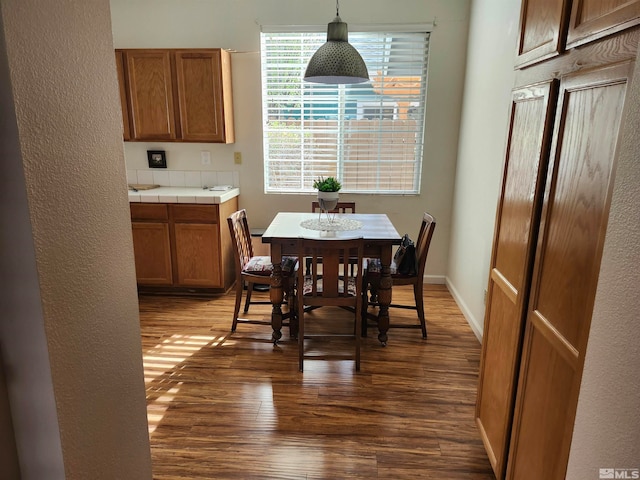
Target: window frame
(306, 110)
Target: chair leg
(301, 339)
(293, 312)
(236, 310)
(247, 301)
(373, 286)
(358, 316)
(417, 293)
(364, 309)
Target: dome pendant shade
(336, 61)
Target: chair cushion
(308, 286)
(374, 266)
(261, 265)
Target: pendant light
(336, 61)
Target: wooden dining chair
(331, 284)
(252, 269)
(372, 278)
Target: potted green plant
(328, 189)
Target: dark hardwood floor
(233, 406)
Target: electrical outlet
(485, 296)
(237, 158)
(205, 157)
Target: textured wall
(23, 343)
(607, 425)
(62, 72)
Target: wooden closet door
(565, 275)
(514, 242)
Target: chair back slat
(330, 275)
(241, 236)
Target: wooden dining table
(375, 229)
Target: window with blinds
(369, 136)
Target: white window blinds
(369, 136)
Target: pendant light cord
(337, 8)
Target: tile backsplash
(182, 178)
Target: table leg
(384, 295)
(276, 292)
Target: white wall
(487, 92)
(236, 25)
(607, 422)
(69, 327)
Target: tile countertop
(182, 195)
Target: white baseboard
(435, 279)
(476, 325)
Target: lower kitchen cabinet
(197, 259)
(151, 243)
(183, 247)
(152, 252)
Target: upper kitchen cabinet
(542, 30)
(123, 96)
(149, 89)
(204, 95)
(594, 19)
(178, 95)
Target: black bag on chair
(405, 257)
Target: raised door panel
(548, 378)
(152, 252)
(150, 94)
(199, 79)
(542, 28)
(594, 19)
(514, 243)
(126, 130)
(565, 275)
(197, 250)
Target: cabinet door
(197, 249)
(511, 260)
(123, 96)
(593, 19)
(200, 98)
(150, 94)
(565, 276)
(542, 30)
(152, 253)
